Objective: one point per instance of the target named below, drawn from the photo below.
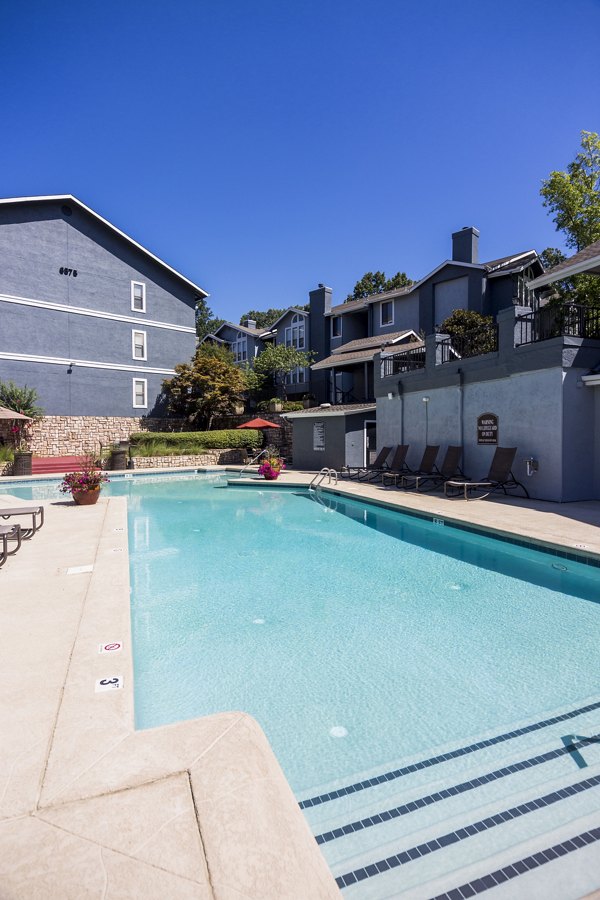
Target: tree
(376, 283)
(207, 386)
(574, 198)
(263, 320)
(276, 361)
(205, 321)
(472, 330)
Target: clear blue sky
(263, 147)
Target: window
(297, 376)
(239, 348)
(387, 312)
(336, 326)
(140, 393)
(138, 296)
(294, 334)
(138, 345)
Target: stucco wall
(529, 410)
(38, 239)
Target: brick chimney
(465, 245)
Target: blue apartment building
(88, 317)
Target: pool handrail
(251, 463)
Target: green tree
(377, 283)
(20, 399)
(207, 386)
(263, 320)
(276, 361)
(471, 330)
(573, 197)
(206, 323)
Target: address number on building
(64, 271)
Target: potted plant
(23, 402)
(272, 465)
(84, 486)
(308, 400)
(275, 405)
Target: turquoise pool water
(354, 635)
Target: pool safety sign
(319, 436)
(487, 429)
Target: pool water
(353, 634)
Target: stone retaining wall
(80, 435)
(208, 458)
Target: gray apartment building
(88, 317)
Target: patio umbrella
(11, 414)
(258, 423)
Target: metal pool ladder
(251, 463)
(321, 476)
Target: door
(370, 429)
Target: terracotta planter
(272, 477)
(86, 498)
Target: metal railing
(453, 348)
(317, 481)
(549, 322)
(251, 463)
(404, 361)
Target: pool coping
(88, 804)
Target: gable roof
(364, 349)
(502, 266)
(376, 340)
(290, 309)
(586, 260)
(253, 332)
(69, 198)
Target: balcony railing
(405, 361)
(453, 348)
(569, 320)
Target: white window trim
(381, 322)
(336, 319)
(143, 381)
(143, 286)
(133, 334)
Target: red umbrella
(258, 423)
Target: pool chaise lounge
(9, 533)
(426, 467)
(500, 477)
(36, 513)
(450, 469)
(363, 473)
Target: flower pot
(22, 463)
(273, 476)
(275, 406)
(86, 498)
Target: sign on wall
(319, 436)
(487, 429)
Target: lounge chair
(9, 533)
(36, 513)
(449, 469)
(500, 477)
(368, 472)
(426, 467)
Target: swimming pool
(356, 636)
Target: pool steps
(464, 811)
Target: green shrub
(286, 405)
(146, 443)
(6, 454)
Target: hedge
(193, 441)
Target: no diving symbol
(112, 647)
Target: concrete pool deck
(91, 808)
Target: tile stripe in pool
(453, 837)
(452, 791)
(478, 885)
(453, 754)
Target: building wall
(406, 315)
(36, 240)
(529, 409)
